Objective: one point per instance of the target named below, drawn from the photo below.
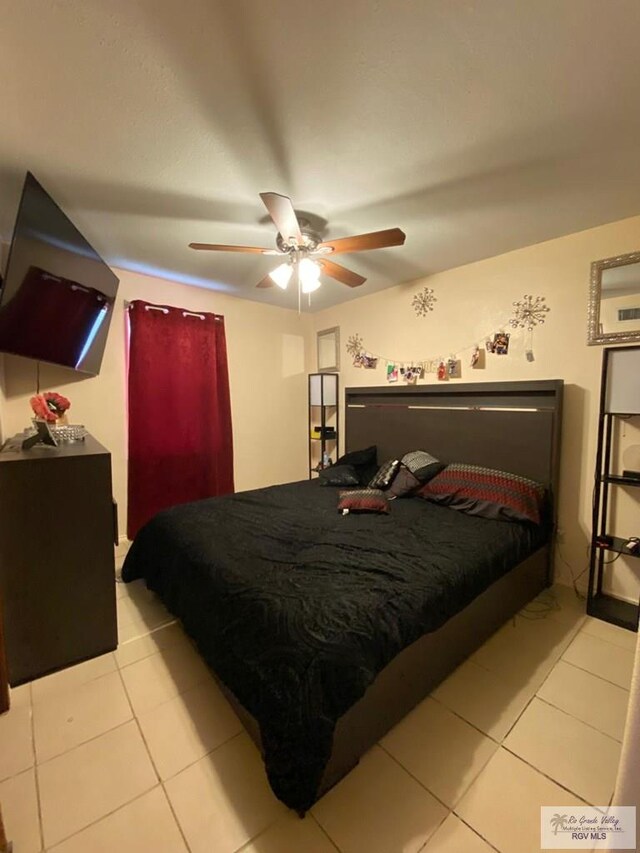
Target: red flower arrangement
(49, 406)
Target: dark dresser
(57, 531)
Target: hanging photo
(411, 374)
(442, 372)
(478, 360)
(529, 355)
(369, 362)
(392, 373)
(489, 345)
(454, 368)
(501, 343)
(430, 366)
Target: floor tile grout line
(479, 834)
(167, 798)
(208, 678)
(486, 734)
(577, 666)
(150, 633)
(530, 700)
(594, 674)
(584, 630)
(39, 763)
(553, 664)
(153, 764)
(102, 817)
(577, 719)
(36, 778)
(546, 775)
(595, 636)
(158, 651)
(85, 742)
(55, 692)
(139, 728)
(457, 714)
(243, 731)
(324, 831)
(415, 779)
(257, 835)
(519, 717)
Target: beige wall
(477, 299)
(267, 348)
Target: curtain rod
(165, 310)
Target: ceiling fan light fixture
(309, 275)
(281, 275)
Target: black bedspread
(297, 608)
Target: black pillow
(339, 475)
(364, 461)
(360, 457)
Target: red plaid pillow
(486, 492)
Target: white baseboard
(123, 546)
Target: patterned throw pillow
(417, 459)
(362, 500)
(385, 475)
(407, 483)
(487, 493)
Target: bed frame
(512, 426)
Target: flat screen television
(58, 294)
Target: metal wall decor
(422, 303)
(354, 345)
(529, 312)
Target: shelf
(618, 547)
(326, 438)
(614, 610)
(621, 481)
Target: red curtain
(180, 442)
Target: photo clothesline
(479, 343)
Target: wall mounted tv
(58, 294)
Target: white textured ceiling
(477, 126)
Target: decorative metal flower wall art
(423, 302)
(529, 312)
(354, 345)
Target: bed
(325, 630)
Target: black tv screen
(57, 297)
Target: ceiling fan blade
(218, 247)
(281, 211)
(267, 281)
(373, 240)
(340, 273)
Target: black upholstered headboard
(512, 426)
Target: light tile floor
(139, 752)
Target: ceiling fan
(304, 250)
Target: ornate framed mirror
(329, 350)
(614, 300)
